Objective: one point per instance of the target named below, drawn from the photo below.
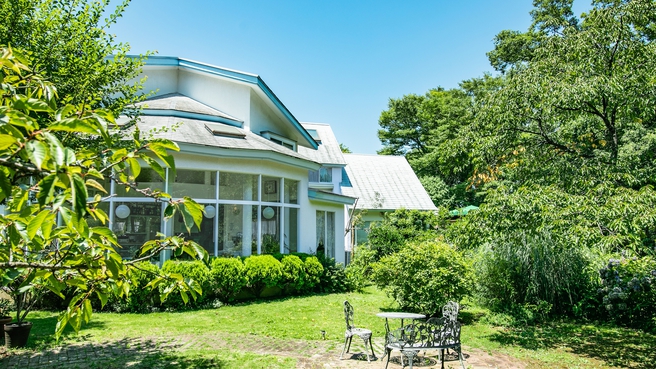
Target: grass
(246, 329)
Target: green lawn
(251, 324)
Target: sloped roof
(328, 152)
(182, 103)
(198, 132)
(385, 182)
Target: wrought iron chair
(352, 330)
(450, 310)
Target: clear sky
(335, 62)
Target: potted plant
(24, 296)
(5, 318)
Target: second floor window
(324, 174)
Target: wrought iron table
(397, 315)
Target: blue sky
(335, 62)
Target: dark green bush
(534, 273)
(424, 276)
(227, 278)
(140, 299)
(333, 279)
(196, 270)
(262, 271)
(359, 272)
(399, 227)
(629, 291)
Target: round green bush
(424, 276)
(227, 278)
(196, 270)
(313, 271)
(262, 271)
(293, 274)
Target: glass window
(291, 191)
(148, 178)
(291, 230)
(135, 223)
(238, 186)
(270, 218)
(196, 184)
(324, 174)
(270, 189)
(326, 233)
(203, 236)
(237, 229)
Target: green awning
(462, 211)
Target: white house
(268, 183)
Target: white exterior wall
(229, 97)
(162, 80)
(263, 118)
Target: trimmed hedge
(262, 271)
(227, 278)
(196, 270)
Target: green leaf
(37, 105)
(194, 209)
(36, 223)
(154, 165)
(62, 321)
(103, 297)
(36, 152)
(86, 310)
(6, 141)
(79, 194)
(93, 183)
(5, 186)
(47, 189)
(56, 148)
(135, 167)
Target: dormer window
(280, 140)
(323, 175)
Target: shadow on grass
(616, 346)
(128, 352)
(42, 334)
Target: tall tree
(69, 42)
(582, 109)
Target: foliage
(333, 278)
(5, 307)
(359, 271)
(438, 191)
(629, 291)
(423, 276)
(47, 243)
(193, 272)
(294, 277)
(262, 271)
(398, 227)
(226, 278)
(141, 299)
(533, 273)
(69, 41)
(313, 271)
(344, 149)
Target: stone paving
(163, 352)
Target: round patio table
(397, 315)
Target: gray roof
(385, 182)
(179, 102)
(328, 152)
(194, 131)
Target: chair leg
(388, 352)
(344, 349)
(442, 355)
(350, 339)
(366, 349)
(462, 364)
(373, 354)
(410, 355)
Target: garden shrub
(227, 278)
(294, 276)
(333, 278)
(262, 271)
(313, 270)
(399, 227)
(196, 270)
(141, 299)
(423, 276)
(532, 276)
(359, 271)
(629, 291)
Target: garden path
(154, 352)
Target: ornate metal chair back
(348, 315)
(444, 331)
(450, 310)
